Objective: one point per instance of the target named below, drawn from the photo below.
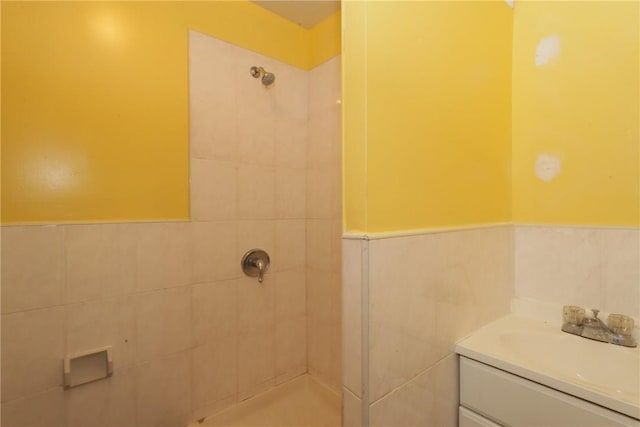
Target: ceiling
(305, 13)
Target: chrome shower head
(267, 78)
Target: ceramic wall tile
(290, 193)
(215, 371)
(32, 352)
(320, 301)
(99, 261)
(351, 409)
(290, 294)
(256, 192)
(45, 409)
(290, 92)
(214, 190)
(105, 322)
(324, 350)
(33, 271)
(428, 291)
(324, 225)
(621, 271)
(257, 133)
(163, 393)
(321, 245)
(291, 348)
(324, 200)
(324, 142)
(585, 266)
(215, 314)
(558, 264)
(256, 304)
(290, 250)
(107, 403)
(213, 96)
(319, 350)
(215, 254)
(429, 399)
(447, 394)
(163, 254)
(163, 321)
(213, 130)
(352, 316)
(291, 142)
(256, 362)
(402, 311)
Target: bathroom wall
(248, 173)
(576, 145)
(421, 168)
(93, 130)
(324, 224)
(421, 294)
(191, 334)
(408, 295)
(576, 103)
(427, 256)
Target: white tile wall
(424, 293)
(351, 409)
(324, 224)
(428, 291)
(352, 316)
(33, 268)
(430, 399)
(593, 267)
(32, 352)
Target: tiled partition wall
(593, 267)
(190, 333)
(324, 224)
(407, 300)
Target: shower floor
(301, 402)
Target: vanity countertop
(602, 373)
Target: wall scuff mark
(548, 50)
(547, 167)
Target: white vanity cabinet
(491, 397)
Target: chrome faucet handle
(595, 312)
(261, 269)
(255, 263)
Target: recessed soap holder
(87, 366)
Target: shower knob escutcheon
(255, 263)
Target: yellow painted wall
(325, 40)
(354, 116)
(436, 129)
(94, 101)
(582, 108)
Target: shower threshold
(301, 402)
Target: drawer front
(469, 418)
(515, 401)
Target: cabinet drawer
(469, 418)
(512, 400)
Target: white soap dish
(87, 366)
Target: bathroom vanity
(522, 372)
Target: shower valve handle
(255, 263)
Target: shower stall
(187, 333)
(265, 166)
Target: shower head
(267, 78)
